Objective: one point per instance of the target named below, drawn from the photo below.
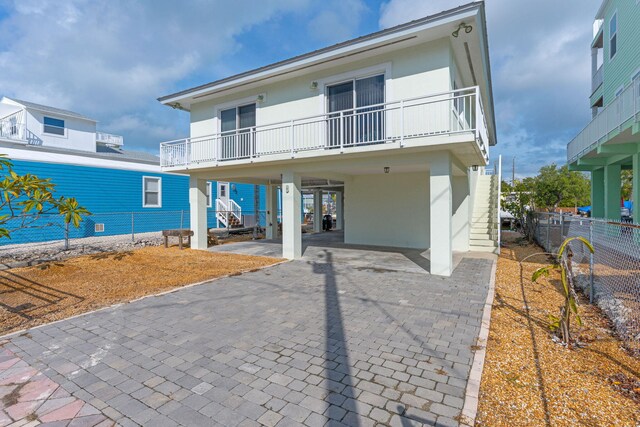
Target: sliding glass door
(355, 113)
(237, 126)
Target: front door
(223, 192)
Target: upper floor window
(613, 35)
(53, 126)
(151, 192)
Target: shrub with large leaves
(24, 199)
(562, 262)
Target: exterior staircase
(229, 215)
(484, 220)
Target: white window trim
(65, 135)
(210, 193)
(615, 14)
(159, 205)
(375, 70)
(217, 122)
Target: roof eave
(327, 53)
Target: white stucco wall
(79, 134)
(415, 71)
(388, 210)
(461, 220)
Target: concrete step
(480, 236)
(489, 249)
(482, 242)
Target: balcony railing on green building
(613, 118)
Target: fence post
(66, 236)
(548, 248)
(591, 290)
(133, 235)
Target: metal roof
(337, 46)
(51, 110)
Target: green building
(610, 143)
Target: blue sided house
(124, 190)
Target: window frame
(384, 69)
(209, 194)
(63, 127)
(614, 35)
(144, 191)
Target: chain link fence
(611, 276)
(48, 237)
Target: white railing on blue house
(623, 108)
(109, 139)
(447, 113)
(13, 127)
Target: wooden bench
(179, 233)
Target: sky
(112, 59)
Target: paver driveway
(320, 341)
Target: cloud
(540, 61)
(336, 21)
(112, 59)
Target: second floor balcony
(616, 116)
(443, 118)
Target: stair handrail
(235, 209)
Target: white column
(317, 211)
(291, 212)
(339, 210)
(198, 211)
(272, 212)
(440, 195)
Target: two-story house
(117, 185)
(611, 142)
(398, 123)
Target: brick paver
(326, 340)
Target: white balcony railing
(596, 80)
(447, 113)
(13, 127)
(109, 139)
(623, 108)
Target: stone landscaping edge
(470, 408)
(169, 291)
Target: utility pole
(513, 172)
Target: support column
(635, 183)
(339, 210)
(291, 212)
(198, 212)
(271, 228)
(317, 211)
(440, 194)
(612, 182)
(597, 193)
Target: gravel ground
(529, 379)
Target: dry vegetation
(34, 295)
(530, 380)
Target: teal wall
(620, 70)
